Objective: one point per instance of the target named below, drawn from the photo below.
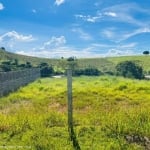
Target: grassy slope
(104, 64)
(109, 63)
(4, 55)
(101, 63)
(144, 61)
(106, 111)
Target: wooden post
(70, 111)
(70, 107)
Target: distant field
(103, 64)
(4, 56)
(144, 61)
(110, 113)
(109, 63)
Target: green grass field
(103, 64)
(109, 63)
(110, 113)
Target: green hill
(5, 55)
(104, 64)
(142, 60)
(109, 63)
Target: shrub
(146, 52)
(129, 69)
(6, 66)
(46, 70)
(87, 71)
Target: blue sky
(81, 28)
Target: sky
(81, 28)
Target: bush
(2, 48)
(87, 71)
(129, 69)
(146, 52)
(6, 66)
(46, 70)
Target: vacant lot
(109, 113)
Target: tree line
(128, 69)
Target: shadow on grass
(74, 139)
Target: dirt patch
(143, 141)
(84, 110)
(15, 106)
(58, 107)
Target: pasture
(106, 64)
(110, 113)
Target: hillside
(103, 64)
(108, 64)
(142, 60)
(5, 55)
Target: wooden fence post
(70, 107)
(70, 111)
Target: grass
(103, 64)
(141, 60)
(22, 59)
(108, 64)
(109, 113)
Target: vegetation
(105, 65)
(87, 71)
(13, 65)
(22, 59)
(109, 113)
(130, 69)
(46, 71)
(142, 61)
(146, 52)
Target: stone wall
(11, 81)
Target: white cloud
(12, 38)
(115, 35)
(83, 35)
(119, 13)
(34, 11)
(118, 52)
(98, 45)
(56, 47)
(111, 14)
(89, 18)
(136, 32)
(94, 50)
(88, 52)
(62, 52)
(13, 35)
(59, 2)
(109, 33)
(124, 13)
(128, 46)
(54, 42)
(1, 6)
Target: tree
(72, 63)
(6, 66)
(46, 70)
(87, 71)
(71, 59)
(129, 69)
(2, 48)
(146, 52)
(28, 65)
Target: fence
(11, 81)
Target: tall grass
(108, 112)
